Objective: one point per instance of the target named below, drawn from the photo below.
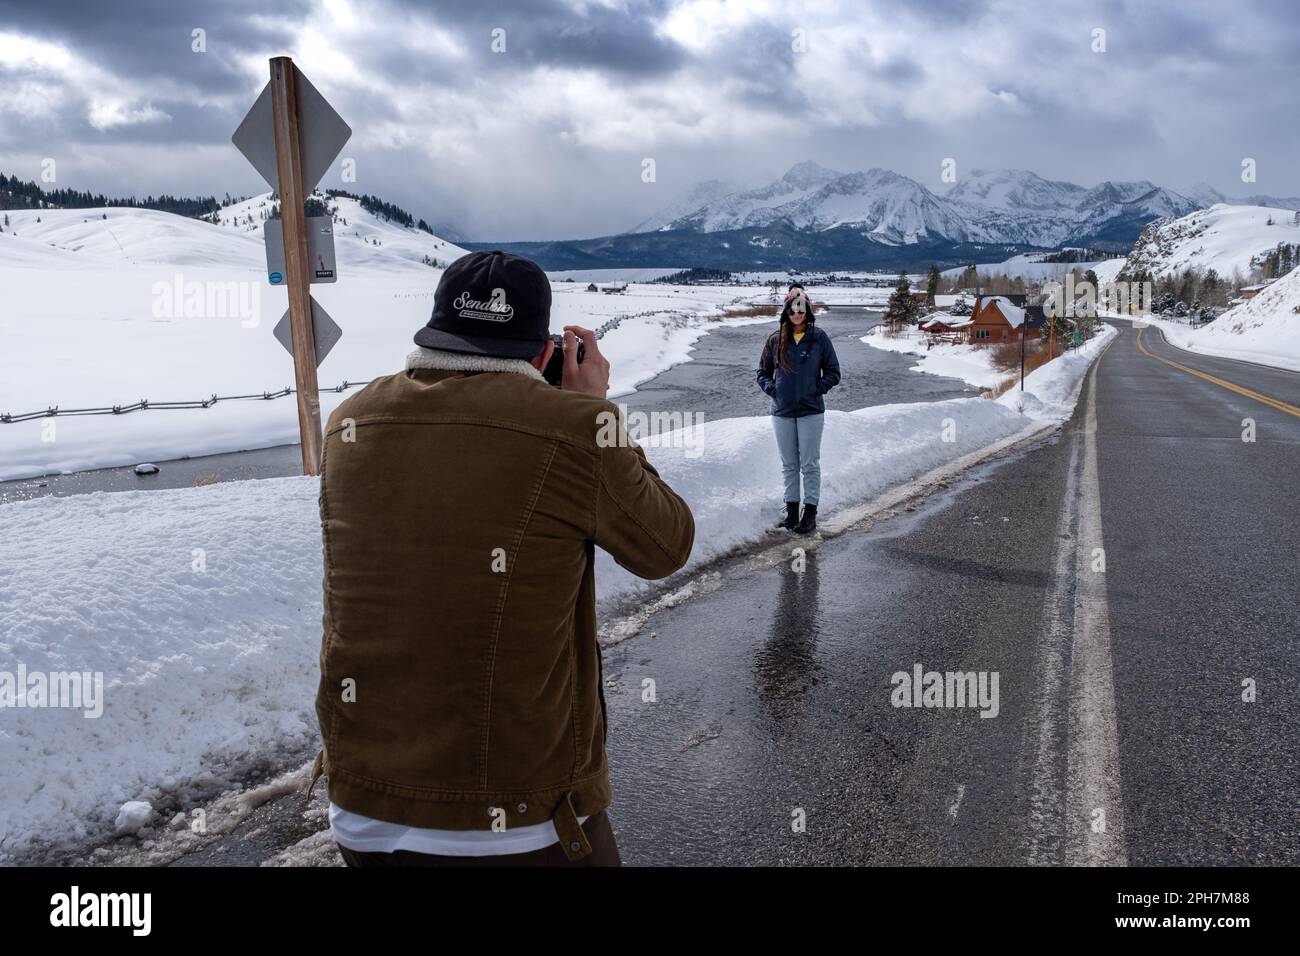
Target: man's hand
(590, 377)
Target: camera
(554, 371)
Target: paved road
(1121, 578)
(1120, 691)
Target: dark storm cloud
(547, 140)
(152, 38)
(549, 32)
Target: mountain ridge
(1013, 206)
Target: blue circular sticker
(276, 278)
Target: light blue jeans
(800, 443)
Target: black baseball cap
(490, 303)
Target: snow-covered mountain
(1009, 206)
(751, 207)
(700, 195)
(887, 207)
(1011, 189)
(1225, 238)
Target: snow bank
(200, 607)
(1051, 390)
(973, 364)
(1264, 329)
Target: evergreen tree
(932, 285)
(902, 307)
(1211, 287)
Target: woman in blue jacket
(797, 368)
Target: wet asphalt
(1203, 536)
(773, 693)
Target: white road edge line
(1044, 788)
(1094, 811)
(1093, 825)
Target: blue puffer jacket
(814, 371)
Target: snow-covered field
(201, 606)
(1108, 269)
(146, 305)
(1264, 329)
(1028, 266)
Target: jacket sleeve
(640, 521)
(830, 376)
(766, 370)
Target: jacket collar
(464, 362)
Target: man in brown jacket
(461, 701)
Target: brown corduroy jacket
(461, 680)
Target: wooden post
(288, 161)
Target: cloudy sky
(531, 119)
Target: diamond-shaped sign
(324, 329)
(321, 129)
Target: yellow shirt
(798, 337)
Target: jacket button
(523, 808)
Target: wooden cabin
(942, 327)
(997, 318)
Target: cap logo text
(493, 310)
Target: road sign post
(291, 135)
(293, 195)
(1023, 323)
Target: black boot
(791, 516)
(808, 523)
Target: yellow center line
(1222, 383)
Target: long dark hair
(787, 328)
